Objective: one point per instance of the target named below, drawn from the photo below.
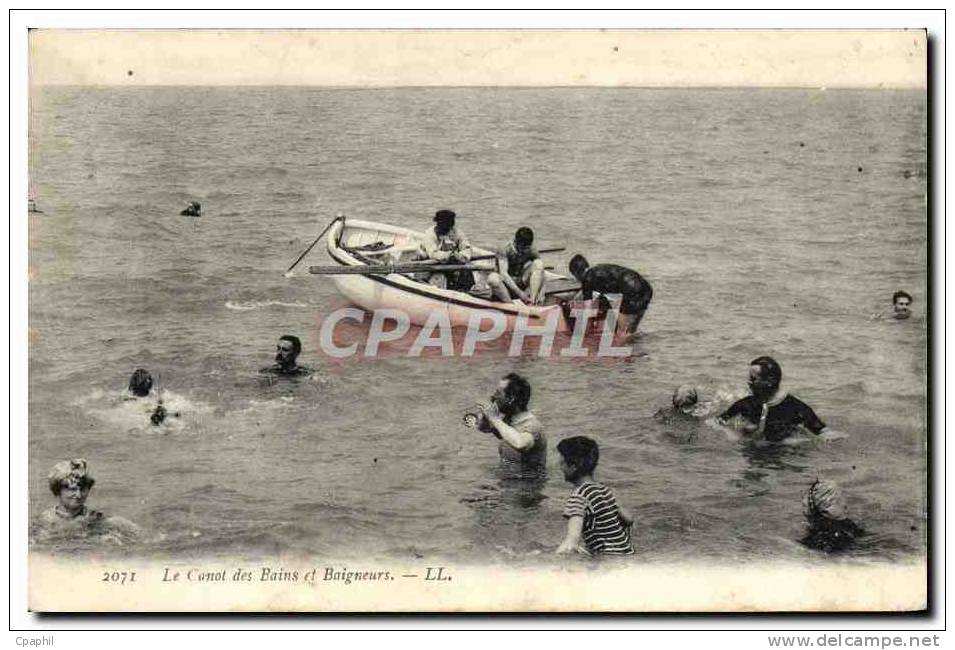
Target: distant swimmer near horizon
(830, 530)
(31, 206)
(286, 354)
(609, 279)
(70, 482)
(194, 209)
(771, 413)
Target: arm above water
(573, 537)
(519, 439)
(808, 417)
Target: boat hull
(419, 300)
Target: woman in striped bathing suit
(595, 524)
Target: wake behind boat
(378, 267)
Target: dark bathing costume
(611, 278)
(831, 535)
(781, 419)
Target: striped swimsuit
(604, 531)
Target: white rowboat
(353, 242)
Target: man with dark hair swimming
(770, 413)
(609, 279)
(901, 305)
(286, 353)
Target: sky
(383, 58)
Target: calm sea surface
(768, 221)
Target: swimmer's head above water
(287, 351)
(824, 499)
(578, 456)
(70, 481)
(901, 305)
(140, 383)
(685, 397)
(513, 395)
(765, 376)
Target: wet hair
(768, 369)
(294, 340)
(445, 218)
(518, 390)
(901, 294)
(140, 383)
(581, 453)
(578, 264)
(524, 236)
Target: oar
(385, 269)
(559, 291)
(337, 218)
(559, 249)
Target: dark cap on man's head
(444, 216)
(901, 294)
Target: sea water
(768, 222)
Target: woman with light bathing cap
(70, 481)
(830, 529)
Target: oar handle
(339, 217)
(558, 249)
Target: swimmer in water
(830, 530)
(609, 279)
(770, 413)
(70, 482)
(192, 210)
(521, 441)
(141, 385)
(686, 405)
(901, 305)
(286, 353)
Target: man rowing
(609, 279)
(521, 271)
(445, 244)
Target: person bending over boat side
(445, 244)
(521, 271)
(70, 482)
(609, 279)
(521, 435)
(286, 354)
(771, 413)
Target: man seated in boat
(611, 279)
(71, 482)
(445, 244)
(286, 353)
(521, 271)
(521, 436)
